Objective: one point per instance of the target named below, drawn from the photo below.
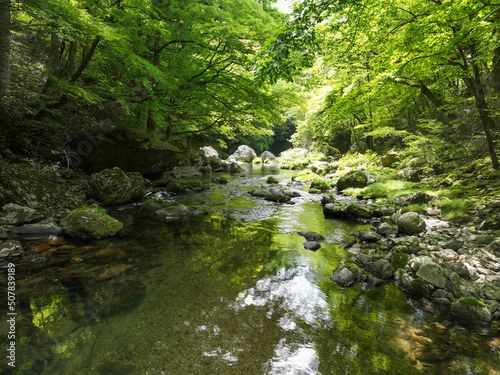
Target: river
(226, 296)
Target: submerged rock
(312, 245)
(90, 223)
(275, 194)
(311, 236)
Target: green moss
(257, 161)
(92, 207)
(453, 208)
(471, 302)
(272, 180)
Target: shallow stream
(229, 296)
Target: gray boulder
(471, 309)
(243, 153)
(10, 248)
(387, 230)
(433, 274)
(356, 179)
(209, 152)
(274, 194)
(417, 197)
(266, 155)
(14, 214)
(410, 223)
(407, 245)
(346, 275)
(369, 236)
(90, 223)
(113, 186)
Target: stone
(312, 245)
(356, 210)
(114, 296)
(407, 245)
(113, 187)
(311, 236)
(447, 255)
(344, 276)
(471, 309)
(90, 223)
(176, 211)
(492, 292)
(399, 260)
(10, 248)
(410, 223)
(40, 229)
(387, 230)
(457, 267)
(14, 214)
(131, 150)
(388, 160)
(235, 168)
(113, 272)
(243, 153)
(453, 244)
(209, 152)
(27, 186)
(355, 179)
(463, 288)
(433, 274)
(274, 194)
(412, 175)
(369, 236)
(266, 155)
(417, 197)
(6, 231)
(272, 180)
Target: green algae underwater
(214, 295)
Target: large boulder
(131, 150)
(39, 190)
(90, 223)
(113, 186)
(410, 223)
(471, 309)
(356, 179)
(266, 155)
(243, 153)
(14, 214)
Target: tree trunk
(4, 63)
(476, 86)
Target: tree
(4, 61)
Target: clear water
(229, 297)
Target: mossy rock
(356, 179)
(90, 223)
(471, 309)
(44, 192)
(399, 260)
(113, 186)
(272, 180)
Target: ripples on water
(231, 297)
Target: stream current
(229, 296)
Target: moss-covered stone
(471, 309)
(399, 260)
(90, 223)
(113, 186)
(32, 187)
(272, 180)
(356, 179)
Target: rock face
(357, 179)
(29, 187)
(113, 186)
(90, 223)
(129, 149)
(266, 155)
(243, 153)
(410, 223)
(14, 214)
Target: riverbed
(232, 291)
